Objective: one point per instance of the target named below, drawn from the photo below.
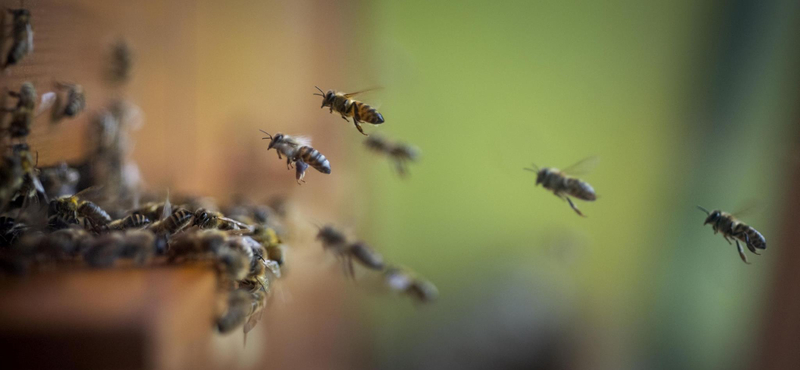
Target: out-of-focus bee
(10, 230)
(565, 186)
(74, 103)
(331, 238)
(399, 153)
(277, 253)
(31, 188)
(343, 104)
(366, 256)
(59, 180)
(336, 242)
(730, 227)
(200, 245)
(239, 306)
(22, 34)
(10, 177)
(25, 111)
(177, 221)
(259, 299)
(403, 281)
(131, 221)
(286, 145)
(120, 63)
(104, 250)
(151, 210)
(138, 245)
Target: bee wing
(750, 207)
(583, 166)
(301, 140)
(167, 211)
(48, 99)
(347, 95)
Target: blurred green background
(686, 103)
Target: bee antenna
(534, 169)
(322, 93)
(704, 210)
(266, 133)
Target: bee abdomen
(367, 256)
(178, 220)
(756, 239)
(135, 220)
(368, 114)
(75, 104)
(94, 213)
(580, 189)
(314, 159)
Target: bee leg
(358, 126)
(574, 207)
(726, 238)
(750, 246)
(741, 252)
(345, 118)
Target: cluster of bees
(94, 214)
(565, 185)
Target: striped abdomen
(749, 235)
(365, 113)
(94, 213)
(367, 256)
(579, 189)
(313, 158)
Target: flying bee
(343, 104)
(331, 238)
(403, 281)
(565, 186)
(312, 157)
(74, 103)
(399, 153)
(23, 114)
(131, 221)
(120, 63)
(731, 228)
(22, 34)
(286, 145)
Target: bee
(277, 253)
(96, 216)
(565, 186)
(22, 33)
(214, 220)
(366, 255)
(23, 114)
(59, 180)
(201, 245)
(120, 63)
(176, 222)
(239, 306)
(259, 301)
(331, 238)
(286, 145)
(335, 241)
(313, 158)
(403, 281)
(233, 264)
(31, 188)
(74, 104)
(72, 208)
(343, 104)
(399, 153)
(731, 228)
(130, 221)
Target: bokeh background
(685, 103)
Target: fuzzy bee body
(93, 213)
(399, 153)
(22, 34)
(366, 255)
(731, 228)
(286, 145)
(344, 104)
(178, 220)
(565, 186)
(313, 158)
(74, 104)
(403, 281)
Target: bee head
(20, 13)
(541, 175)
(327, 97)
(713, 216)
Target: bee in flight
(74, 103)
(298, 150)
(399, 153)
(731, 228)
(343, 104)
(22, 33)
(565, 186)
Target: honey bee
(365, 255)
(22, 34)
(71, 208)
(343, 104)
(214, 220)
(178, 220)
(399, 153)
(565, 186)
(120, 63)
(239, 306)
(403, 281)
(298, 149)
(335, 241)
(286, 145)
(200, 245)
(31, 188)
(731, 228)
(232, 264)
(74, 103)
(23, 114)
(131, 221)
